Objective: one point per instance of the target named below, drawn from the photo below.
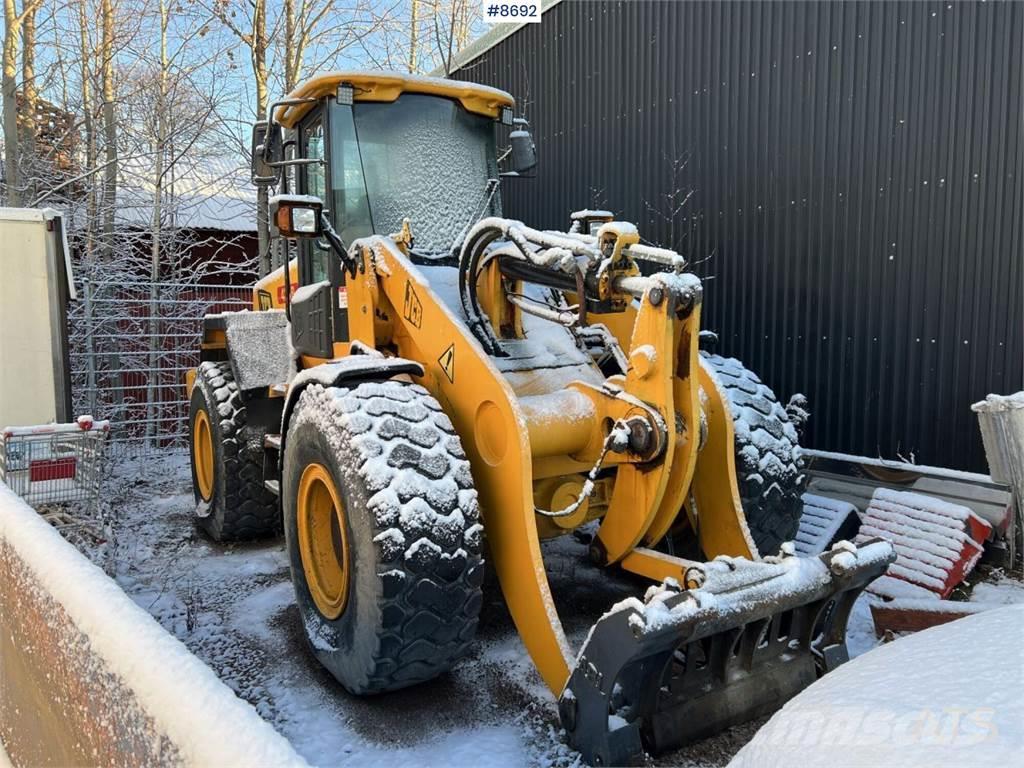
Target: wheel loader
(425, 389)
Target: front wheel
(769, 465)
(383, 533)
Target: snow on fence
(89, 678)
(130, 348)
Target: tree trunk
(462, 28)
(444, 32)
(259, 69)
(88, 111)
(30, 99)
(291, 74)
(10, 104)
(413, 32)
(109, 129)
(156, 231)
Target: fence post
(90, 346)
(153, 382)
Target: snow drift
(91, 678)
(947, 696)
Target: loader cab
(421, 157)
(388, 148)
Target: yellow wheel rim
(323, 542)
(202, 454)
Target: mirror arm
(286, 103)
(287, 281)
(297, 161)
(338, 245)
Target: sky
(353, 34)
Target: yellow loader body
(554, 437)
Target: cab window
(349, 205)
(315, 183)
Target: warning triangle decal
(447, 362)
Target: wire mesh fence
(130, 346)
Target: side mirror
(296, 216)
(524, 151)
(267, 148)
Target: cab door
(319, 311)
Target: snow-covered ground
(997, 588)
(233, 606)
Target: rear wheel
(769, 466)
(383, 536)
(231, 502)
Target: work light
(295, 216)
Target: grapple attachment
(682, 665)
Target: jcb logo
(413, 309)
(280, 292)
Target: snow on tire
(769, 464)
(240, 507)
(412, 530)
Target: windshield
(422, 157)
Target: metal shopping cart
(55, 463)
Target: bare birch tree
(301, 23)
(14, 22)
(248, 23)
(414, 28)
(28, 80)
(453, 22)
(86, 54)
(109, 127)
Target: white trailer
(35, 285)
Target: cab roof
(388, 86)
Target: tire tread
(249, 510)
(770, 442)
(430, 567)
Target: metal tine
(721, 653)
(749, 641)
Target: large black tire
(241, 507)
(769, 465)
(412, 527)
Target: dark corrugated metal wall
(857, 200)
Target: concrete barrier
(89, 678)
